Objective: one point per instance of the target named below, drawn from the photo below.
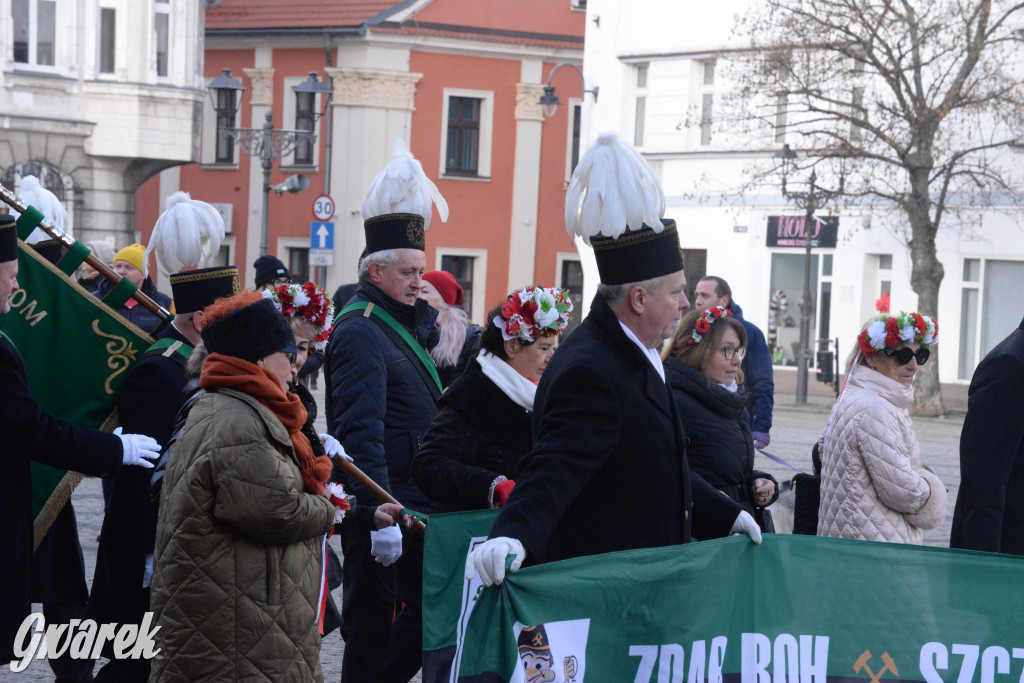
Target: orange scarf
(241, 375)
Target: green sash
(370, 308)
(168, 347)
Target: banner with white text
(796, 608)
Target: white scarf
(732, 388)
(504, 376)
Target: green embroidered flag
(796, 608)
(76, 350)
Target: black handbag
(807, 490)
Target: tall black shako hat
(250, 332)
(615, 203)
(398, 205)
(8, 238)
(533, 638)
(194, 290)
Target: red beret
(445, 284)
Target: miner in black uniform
(149, 401)
(604, 419)
(31, 434)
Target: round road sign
(323, 208)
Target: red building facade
(459, 80)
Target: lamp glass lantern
(225, 94)
(313, 86)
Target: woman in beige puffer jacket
(873, 486)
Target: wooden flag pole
(56, 233)
(373, 487)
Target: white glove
(139, 449)
(488, 559)
(147, 577)
(333, 447)
(745, 524)
(386, 545)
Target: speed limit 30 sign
(323, 208)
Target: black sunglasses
(905, 353)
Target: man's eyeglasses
(730, 351)
(278, 281)
(905, 353)
(293, 357)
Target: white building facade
(96, 97)
(658, 65)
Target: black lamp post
(266, 143)
(809, 200)
(549, 100)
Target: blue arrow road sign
(321, 235)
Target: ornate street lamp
(549, 100)
(810, 200)
(266, 143)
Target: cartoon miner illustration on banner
(545, 648)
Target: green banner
(76, 350)
(796, 608)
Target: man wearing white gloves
(382, 391)
(608, 469)
(30, 434)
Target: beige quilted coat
(237, 568)
(872, 484)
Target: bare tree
(925, 96)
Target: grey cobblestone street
(795, 430)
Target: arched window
(50, 177)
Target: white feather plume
(612, 188)
(403, 187)
(34, 194)
(188, 233)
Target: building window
(305, 104)
(858, 112)
(577, 119)
(463, 136)
(225, 143)
(695, 264)
(640, 107)
(35, 31)
(161, 33)
(787, 284)
(108, 34)
(462, 268)
(969, 318)
(983, 314)
(571, 280)
(781, 110)
(579, 4)
(707, 100)
(467, 123)
(298, 263)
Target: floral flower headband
(889, 331)
(532, 313)
(703, 324)
(306, 301)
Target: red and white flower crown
(532, 313)
(703, 324)
(889, 331)
(306, 301)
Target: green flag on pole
(795, 608)
(76, 350)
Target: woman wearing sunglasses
(702, 367)
(873, 486)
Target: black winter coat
(718, 439)
(138, 314)
(608, 468)
(30, 434)
(989, 513)
(152, 395)
(479, 433)
(378, 404)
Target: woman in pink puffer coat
(873, 486)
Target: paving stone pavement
(794, 432)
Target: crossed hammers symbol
(887, 665)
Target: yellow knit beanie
(132, 254)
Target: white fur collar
(511, 383)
